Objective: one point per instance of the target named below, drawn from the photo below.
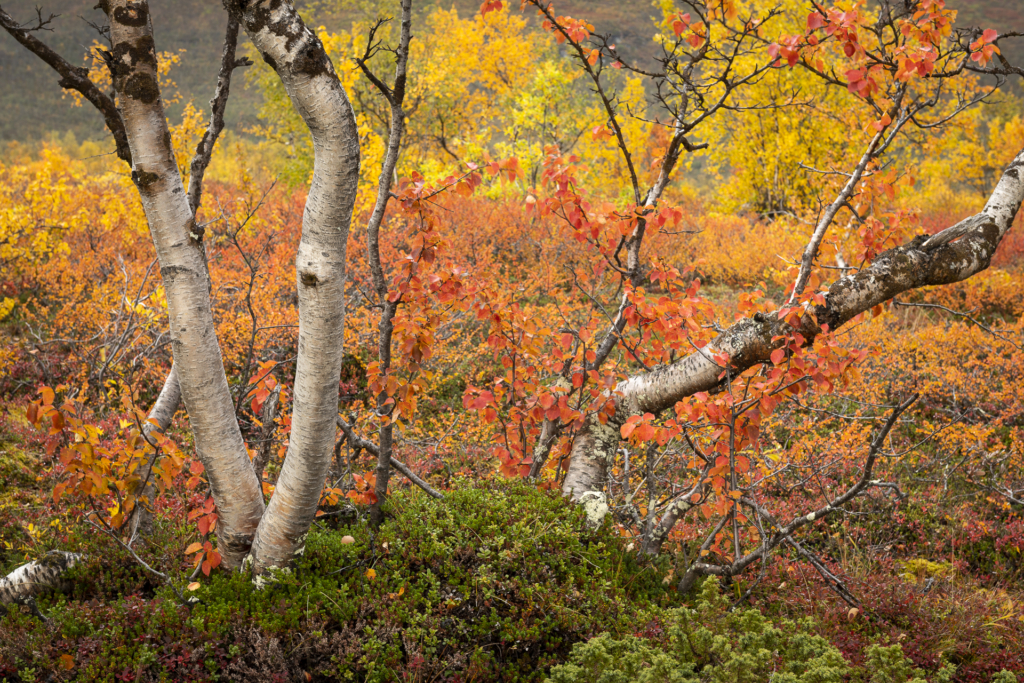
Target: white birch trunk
(297, 55)
(197, 357)
(922, 262)
(32, 579)
(158, 420)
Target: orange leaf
(214, 558)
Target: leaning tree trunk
(950, 256)
(21, 586)
(197, 357)
(158, 420)
(299, 59)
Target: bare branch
(358, 442)
(73, 78)
(219, 103)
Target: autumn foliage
(503, 251)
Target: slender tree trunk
(197, 356)
(395, 97)
(297, 55)
(159, 420)
(951, 256)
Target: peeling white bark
(297, 55)
(197, 356)
(35, 578)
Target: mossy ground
(491, 584)
(497, 582)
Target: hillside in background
(32, 106)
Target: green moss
(509, 573)
(491, 584)
(17, 468)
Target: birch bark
(951, 256)
(299, 59)
(197, 357)
(32, 579)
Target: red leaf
(490, 6)
(214, 559)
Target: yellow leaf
(371, 574)
(67, 662)
(194, 548)
(193, 586)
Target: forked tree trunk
(197, 356)
(299, 59)
(950, 256)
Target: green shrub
(711, 644)
(492, 584)
(708, 643)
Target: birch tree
(712, 52)
(271, 537)
(910, 71)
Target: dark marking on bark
(312, 59)
(143, 51)
(143, 179)
(270, 61)
(171, 272)
(308, 279)
(1012, 172)
(281, 29)
(142, 87)
(195, 231)
(134, 15)
(256, 18)
(103, 5)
